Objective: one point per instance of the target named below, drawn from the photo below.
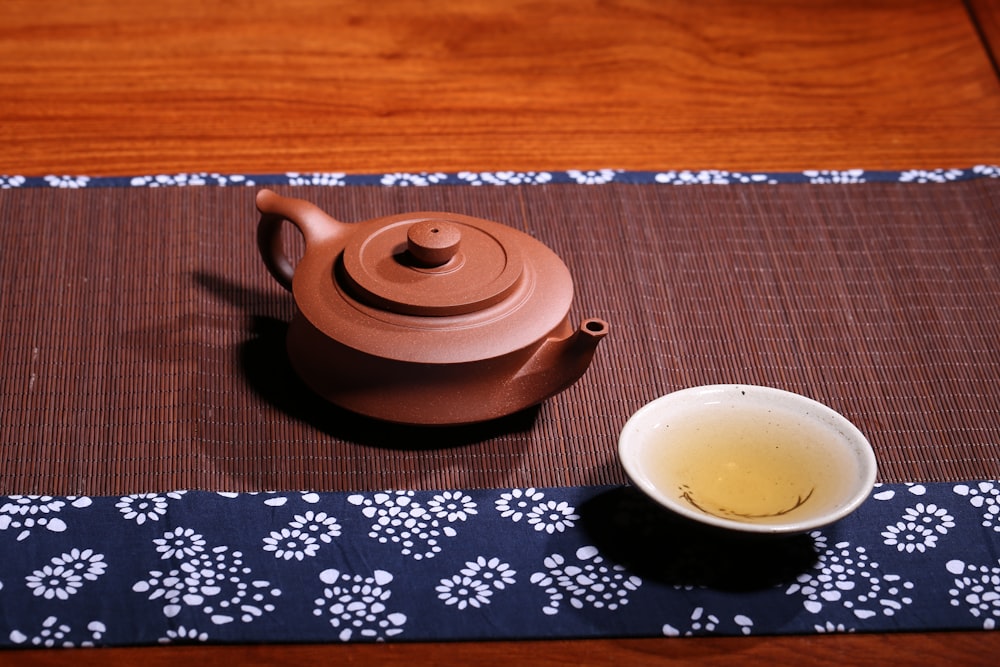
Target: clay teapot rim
(536, 306)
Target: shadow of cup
(660, 546)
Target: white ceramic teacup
(748, 458)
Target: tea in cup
(748, 458)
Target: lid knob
(433, 242)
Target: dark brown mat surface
(141, 339)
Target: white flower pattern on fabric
(320, 524)
(587, 582)
(931, 176)
(23, 505)
(328, 179)
(832, 176)
(888, 494)
(592, 177)
(945, 531)
(289, 543)
(168, 180)
(303, 536)
(53, 633)
(180, 543)
(143, 507)
(357, 607)
(67, 182)
(549, 516)
(829, 627)
(215, 582)
(984, 496)
(183, 635)
(422, 179)
(977, 588)
(66, 574)
(272, 499)
(552, 516)
(186, 180)
(703, 623)
(505, 177)
(709, 177)
(22, 514)
(462, 591)
(475, 583)
(516, 503)
(400, 520)
(844, 575)
(452, 506)
(492, 571)
(919, 528)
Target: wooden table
(106, 88)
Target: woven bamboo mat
(141, 338)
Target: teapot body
(427, 392)
(426, 318)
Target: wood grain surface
(895, 650)
(103, 88)
(985, 16)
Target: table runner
(142, 354)
(525, 563)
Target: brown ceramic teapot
(425, 318)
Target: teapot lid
(432, 265)
(433, 287)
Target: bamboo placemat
(141, 338)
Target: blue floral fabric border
(519, 563)
(582, 177)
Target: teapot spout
(585, 339)
(559, 362)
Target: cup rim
(629, 440)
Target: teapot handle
(314, 225)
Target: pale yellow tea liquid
(751, 463)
